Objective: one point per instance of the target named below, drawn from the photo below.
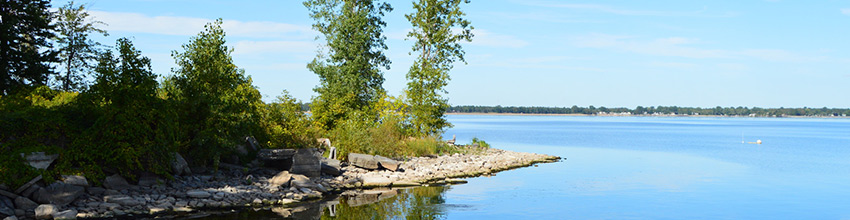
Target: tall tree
(136, 129)
(350, 72)
(25, 51)
(218, 104)
(438, 28)
(77, 51)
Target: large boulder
(59, 194)
(75, 180)
(199, 194)
(123, 200)
(65, 215)
(116, 182)
(387, 163)
(280, 159)
(148, 180)
(281, 179)
(45, 211)
(24, 203)
(306, 161)
(301, 181)
(40, 160)
(331, 167)
(375, 181)
(7, 207)
(8, 194)
(363, 161)
(179, 166)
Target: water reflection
(406, 203)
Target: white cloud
(187, 26)
(845, 11)
(489, 39)
(264, 47)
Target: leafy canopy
(350, 73)
(438, 28)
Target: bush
(285, 126)
(135, 130)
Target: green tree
(135, 131)
(438, 28)
(219, 106)
(350, 73)
(25, 51)
(77, 51)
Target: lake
(636, 168)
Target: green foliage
(480, 143)
(218, 105)
(135, 130)
(32, 120)
(25, 49)
(286, 126)
(438, 44)
(77, 51)
(349, 73)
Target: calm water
(638, 168)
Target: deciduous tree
(438, 28)
(77, 51)
(350, 70)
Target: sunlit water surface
(636, 168)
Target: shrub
(285, 126)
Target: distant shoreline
(623, 115)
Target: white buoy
(758, 141)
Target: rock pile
(236, 186)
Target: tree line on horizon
(103, 110)
(659, 110)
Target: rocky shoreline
(235, 186)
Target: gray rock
(39, 160)
(116, 182)
(25, 203)
(331, 167)
(97, 191)
(45, 211)
(6, 211)
(75, 180)
(179, 166)
(148, 180)
(30, 191)
(11, 217)
(275, 154)
(65, 215)
(8, 194)
(306, 161)
(59, 194)
(301, 181)
(27, 185)
(5, 201)
(111, 192)
(109, 206)
(198, 194)
(363, 161)
(281, 179)
(387, 163)
(20, 212)
(122, 200)
(375, 181)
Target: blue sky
(547, 53)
